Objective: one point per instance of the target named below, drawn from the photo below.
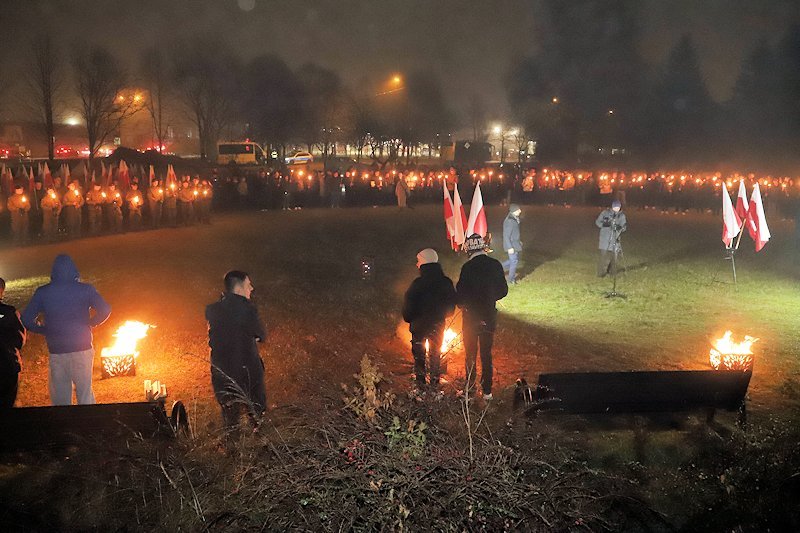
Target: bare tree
(45, 84)
(100, 82)
(207, 74)
(159, 92)
(477, 117)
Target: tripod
(616, 233)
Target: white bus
(241, 153)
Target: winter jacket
(429, 300)
(605, 222)
(64, 305)
(234, 327)
(511, 234)
(481, 284)
(12, 339)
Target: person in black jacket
(482, 282)
(237, 372)
(429, 300)
(511, 242)
(12, 339)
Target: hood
(431, 269)
(64, 269)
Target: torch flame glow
(729, 355)
(127, 335)
(448, 341)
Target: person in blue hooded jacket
(65, 311)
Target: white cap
(428, 255)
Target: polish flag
(756, 221)
(731, 223)
(477, 215)
(151, 177)
(47, 181)
(124, 176)
(449, 219)
(741, 202)
(460, 219)
(171, 177)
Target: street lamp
(502, 133)
(555, 100)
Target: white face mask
(615, 209)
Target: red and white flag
(731, 223)
(123, 176)
(756, 221)
(477, 215)
(741, 202)
(151, 177)
(172, 178)
(460, 218)
(449, 218)
(47, 180)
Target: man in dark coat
(12, 339)
(65, 311)
(511, 242)
(429, 300)
(481, 283)
(237, 372)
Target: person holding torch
(19, 206)
(51, 209)
(134, 199)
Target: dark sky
(469, 44)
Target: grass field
(322, 318)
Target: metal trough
(25, 428)
(643, 392)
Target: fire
(127, 335)
(729, 355)
(448, 341)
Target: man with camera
(612, 224)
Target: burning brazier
(120, 358)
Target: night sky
(469, 44)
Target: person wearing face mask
(511, 242)
(612, 223)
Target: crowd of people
(53, 211)
(404, 186)
(44, 211)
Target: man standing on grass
(429, 300)
(12, 339)
(511, 242)
(237, 372)
(612, 223)
(65, 311)
(481, 283)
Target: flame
(127, 335)
(729, 355)
(448, 341)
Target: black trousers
(243, 393)
(8, 388)
(433, 336)
(478, 333)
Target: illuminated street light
(610, 111)
(397, 80)
(555, 100)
